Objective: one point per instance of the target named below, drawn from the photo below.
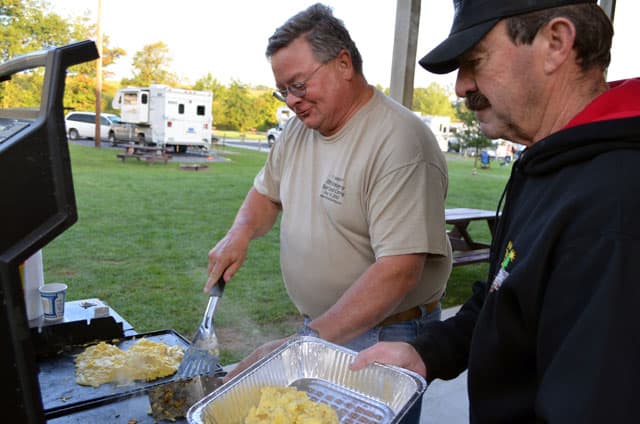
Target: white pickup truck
(283, 113)
(273, 134)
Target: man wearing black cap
(553, 334)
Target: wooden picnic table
(150, 154)
(466, 250)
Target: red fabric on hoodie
(622, 100)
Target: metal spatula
(201, 356)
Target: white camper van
(164, 116)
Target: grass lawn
(143, 233)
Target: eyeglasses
(298, 89)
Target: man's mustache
(475, 100)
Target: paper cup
(53, 298)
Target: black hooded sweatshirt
(554, 336)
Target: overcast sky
(227, 38)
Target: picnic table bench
(149, 154)
(466, 250)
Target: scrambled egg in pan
(146, 360)
(288, 405)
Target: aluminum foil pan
(377, 394)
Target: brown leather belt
(409, 314)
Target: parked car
(83, 125)
(273, 134)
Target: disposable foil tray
(376, 394)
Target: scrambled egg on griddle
(146, 360)
(288, 405)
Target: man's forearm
(444, 345)
(256, 216)
(371, 298)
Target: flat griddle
(61, 395)
(133, 409)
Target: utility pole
(98, 76)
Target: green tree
(470, 135)
(266, 107)
(209, 83)
(83, 29)
(433, 100)
(81, 79)
(27, 26)
(381, 88)
(30, 25)
(24, 90)
(151, 66)
(238, 106)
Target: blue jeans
(401, 332)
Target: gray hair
(326, 34)
(594, 31)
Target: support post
(404, 51)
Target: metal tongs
(201, 356)
(198, 374)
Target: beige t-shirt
(376, 188)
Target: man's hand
(226, 257)
(391, 353)
(255, 356)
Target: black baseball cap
(472, 20)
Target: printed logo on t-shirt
(509, 256)
(333, 189)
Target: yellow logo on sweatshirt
(509, 257)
